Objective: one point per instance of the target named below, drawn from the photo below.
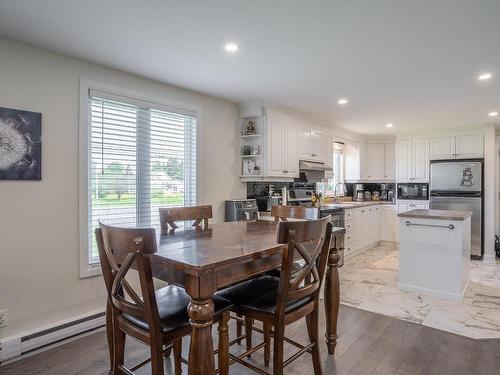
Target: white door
(319, 146)
(420, 205)
(469, 146)
(403, 160)
(290, 148)
(363, 165)
(305, 144)
(275, 160)
(404, 206)
(420, 160)
(389, 223)
(329, 151)
(442, 148)
(390, 162)
(375, 161)
(377, 223)
(365, 229)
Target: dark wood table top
(220, 243)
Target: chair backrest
(308, 241)
(168, 216)
(284, 213)
(120, 249)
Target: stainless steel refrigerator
(458, 185)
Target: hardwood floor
(369, 344)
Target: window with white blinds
(141, 157)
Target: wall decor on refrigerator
(20, 145)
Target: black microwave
(413, 191)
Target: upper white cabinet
(412, 160)
(312, 145)
(374, 162)
(282, 147)
(370, 162)
(458, 147)
(390, 161)
(469, 146)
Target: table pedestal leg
(201, 351)
(332, 298)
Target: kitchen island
(435, 252)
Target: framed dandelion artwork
(20, 145)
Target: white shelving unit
(251, 148)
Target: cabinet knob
(313, 154)
(285, 171)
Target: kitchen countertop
(350, 205)
(437, 214)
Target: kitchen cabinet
(390, 162)
(469, 146)
(457, 147)
(313, 145)
(370, 162)
(367, 226)
(404, 205)
(374, 162)
(282, 148)
(390, 223)
(412, 160)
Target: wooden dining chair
(200, 215)
(156, 318)
(278, 302)
(284, 213)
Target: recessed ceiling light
(389, 125)
(343, 101)
(484, 76)
(493, 114)
(231, 47)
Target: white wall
(39, 281)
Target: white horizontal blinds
(142, 157)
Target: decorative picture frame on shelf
(20, 145)
(248, 167)
(250, 128)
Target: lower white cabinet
(390, 223)
(404, 206)
(367, 226)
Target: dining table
(206, 260)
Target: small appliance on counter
(360, 193)
(367, 196)
(241, 209)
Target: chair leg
(223, 354)
(118, 348)
(313, 336)
(239, 328)
(248, 334)
(279, 334)
(267, 341)
(178, 356)
(156, 358)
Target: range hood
(313, 166)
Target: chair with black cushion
(157, 318)
(199, 215)
(280, 301)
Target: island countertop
(436, 214)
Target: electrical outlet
(4, 318)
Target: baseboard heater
(15, 348)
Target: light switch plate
(4, 318)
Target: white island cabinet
(435, 252)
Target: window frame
(86, 268)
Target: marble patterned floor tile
(369, 282)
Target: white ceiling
(409, 62)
